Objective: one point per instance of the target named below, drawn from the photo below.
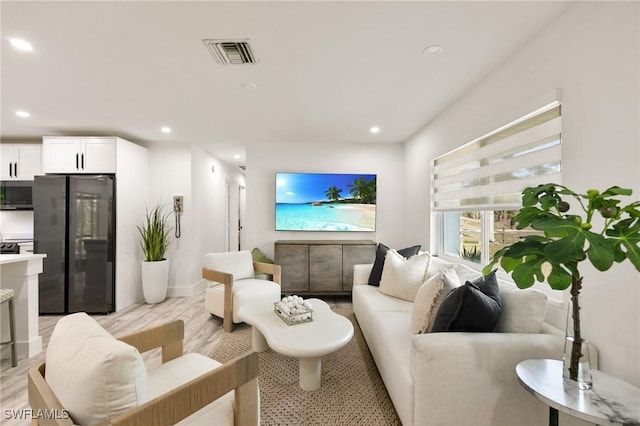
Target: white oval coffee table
(308, 342)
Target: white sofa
(455, 378)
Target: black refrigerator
(74, 225)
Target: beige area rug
(352, 392)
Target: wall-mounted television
(325, 202)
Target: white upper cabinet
(79, 155)
(20, 161)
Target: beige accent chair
(235, 283)
(90, 377)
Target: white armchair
(235, 282)
(90, 377)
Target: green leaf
(527, 272)
(525, 247)
(548, 201)
(632, 209)
(627, 234)
(568, 249)
(616, 190)
(559, 278)
(510, 263)
(555, 227)
(529, 197)
(600, 253)
(618, 253)
(496, 257)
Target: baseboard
(186, 290)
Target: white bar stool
(6, 295)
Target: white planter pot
(155, 280)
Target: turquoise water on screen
(325, 217)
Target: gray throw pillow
(474, 307)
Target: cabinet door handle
(82, 160)
(10, 170)
(76, 161)
(15, 169)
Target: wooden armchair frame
(239, 375)
(227, 280)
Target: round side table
(611, 401)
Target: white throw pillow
(403, 277)
(523, 311)
(424, 303)
(450, 281)
(95, 376)
(238, 263)
(436, 265)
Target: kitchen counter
(12, 258)
(20, 273)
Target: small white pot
(155, 280)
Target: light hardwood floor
(202, 335)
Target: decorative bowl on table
(293, 310)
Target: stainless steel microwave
(16, 195)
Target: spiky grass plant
(155, 233)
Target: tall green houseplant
(155, 234)
(570, 239)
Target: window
(477, 187)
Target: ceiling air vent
(231, 52)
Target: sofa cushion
(390, 344)
(450, 281)
(238, 263)
(402, 277)
(523, 311)
(475, 306)
(424, 303)
(95, 376)
(378, 264)
(183, 369)
(243, 291)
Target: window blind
(490, 172)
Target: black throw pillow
(474, 306)
(378, 264)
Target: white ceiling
(327, 71)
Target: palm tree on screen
(333, 193)
(363, 190)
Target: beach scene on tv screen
(325, 202)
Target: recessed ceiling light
(166, 130)
(433, 50)
(249, 86)
(21, 44)
(374, 129)
(236, 156)
(23, 114)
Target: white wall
(170, 174)
(209, 189)
(16, 224)
(592, 54)
(132, 188)
(186, 171)
(264, 160)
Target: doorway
(235, 216)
